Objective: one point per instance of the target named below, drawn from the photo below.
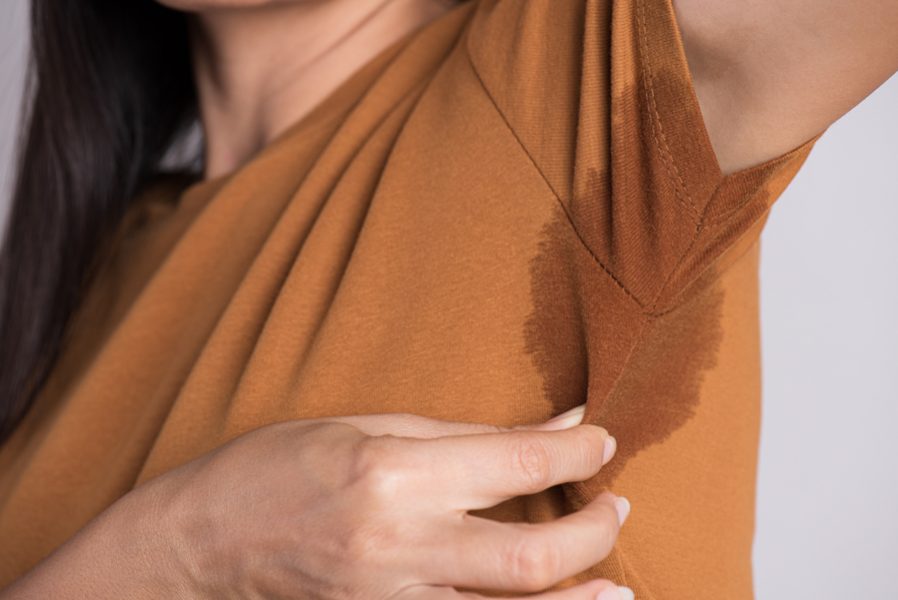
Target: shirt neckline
(325, 111)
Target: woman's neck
(259, 69)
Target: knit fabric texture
(514, 209)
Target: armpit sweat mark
(657, 389)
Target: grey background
(828, 482)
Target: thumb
(412, 425)
(565, 420)
(418, 426)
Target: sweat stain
(640, 374)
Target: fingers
(528, 557)
(598, 589)
(477, 471)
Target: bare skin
(365, 507)
(261, 65)
(768, 76)
(358, 507)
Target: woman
(314, 368)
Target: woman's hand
(362, 507)
(374, 507)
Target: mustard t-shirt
(513, 210)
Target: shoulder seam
(697, 216)
(670, 163)
(548, 183)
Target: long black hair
(109, 89)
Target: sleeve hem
(682, 127)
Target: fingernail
(623, 508)
(567, 419)
(609, 449)
(616, 593)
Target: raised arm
(771, 74)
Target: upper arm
(771, 74)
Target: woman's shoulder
(601, 96)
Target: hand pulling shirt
(512, 210)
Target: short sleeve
(600, 96)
